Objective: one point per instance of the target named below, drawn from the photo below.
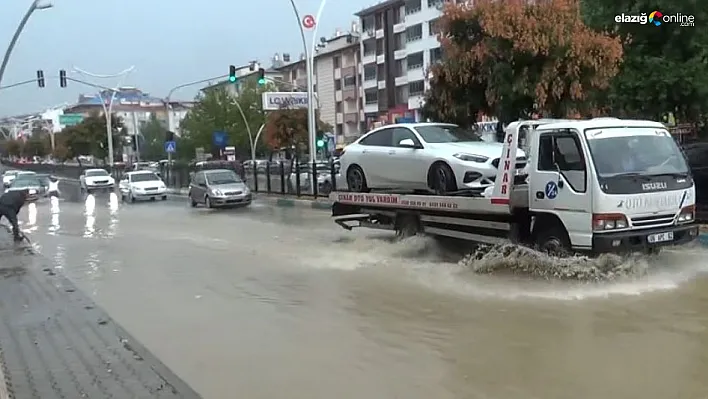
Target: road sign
(70, 119)
(170, 146)
(308, 21)
(220, 139)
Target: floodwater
(280, 303)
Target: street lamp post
(33, 7)
(107, 110)
(310, 54)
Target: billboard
(273, 101)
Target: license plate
(660, 237)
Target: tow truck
(590, 186)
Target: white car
(440, 157)
(142, 185)
(8, 177)
(96, 180)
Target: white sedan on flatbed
(438, 157)
(141, 185)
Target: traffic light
(62, 78)
(320, 143)
(40, 78)
(261, 76)
(169, 136)
(232, 74)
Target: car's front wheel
(356, 180)
(207, 202)
(441, 179)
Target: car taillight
(609, 221)
(688, 214)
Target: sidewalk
(56, 343)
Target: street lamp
(310, 54)
(108, 109)
(36, 5)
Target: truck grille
(654, 220)
(520, 162)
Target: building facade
(398, 45)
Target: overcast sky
(168, 42)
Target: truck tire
(407, 225)
(553, 240)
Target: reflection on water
(90, 208)
(113, 203)
(54, 209)
(32, 217)
(113, 206)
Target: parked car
(218, 188)
(31, 184)
(92, 180)
(141, 185)
(443, 158)
(8, 177)
(324, 177)
(153, 167)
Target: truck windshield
(633, 151)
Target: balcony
(382, 84)
(400, 54)
(368, 58)
(380, 59)
(379, 33)
(348, 71)
(416, 74)
(349, 93)
(370, 84)
(369, 34)
(339, 118)
(401, 80)
(301, 83)
(371, 108)
(400, 27)
(351, 117)
(415, 101)
(338, 73)
(338, 95)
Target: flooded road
(281, 303)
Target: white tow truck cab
(590, 186)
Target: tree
(287, 128)
(90, 138)
(513, 59)
(664, 68)
(216, 110)
(152, 138)
(37, 145)
(15, 147)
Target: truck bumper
(637, 240)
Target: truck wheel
(553, 240)
(441, 179)
(407, 226)
(356, 180)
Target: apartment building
(337, 83)
(398, 45)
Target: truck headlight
(609, 221)
(688, 214)
(471, 157)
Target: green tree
(14, 147)
(37, 145)
(217, 110)
(512, 59)
(288, 127)
(89, 137)
(664, 68)
(152, 139)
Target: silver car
(218, 188)
(31, 184)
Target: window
(379, 47)
(339, 129)
(338, 84)
(349, 81)
(96, 173)
(560, 151)
(434, 3)
(380, 138)
(369, 47)
(371, 96)
(414, 33)
(337, 61)
(436, 55)
(199, 178)
(416, 88)
(222, 177)
(401, 133)
(413, 6)
(338, 106)
(446, 134)
(434, 27)
(415, 61)
(137, 177)
(370, 72)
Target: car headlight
(33, 191)
(471, 157)
(217, 192)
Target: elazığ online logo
(656, 18)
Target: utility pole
(33, 7)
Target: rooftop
(379, 7)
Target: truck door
(559, 183)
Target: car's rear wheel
(356, 180)
(441, 179)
